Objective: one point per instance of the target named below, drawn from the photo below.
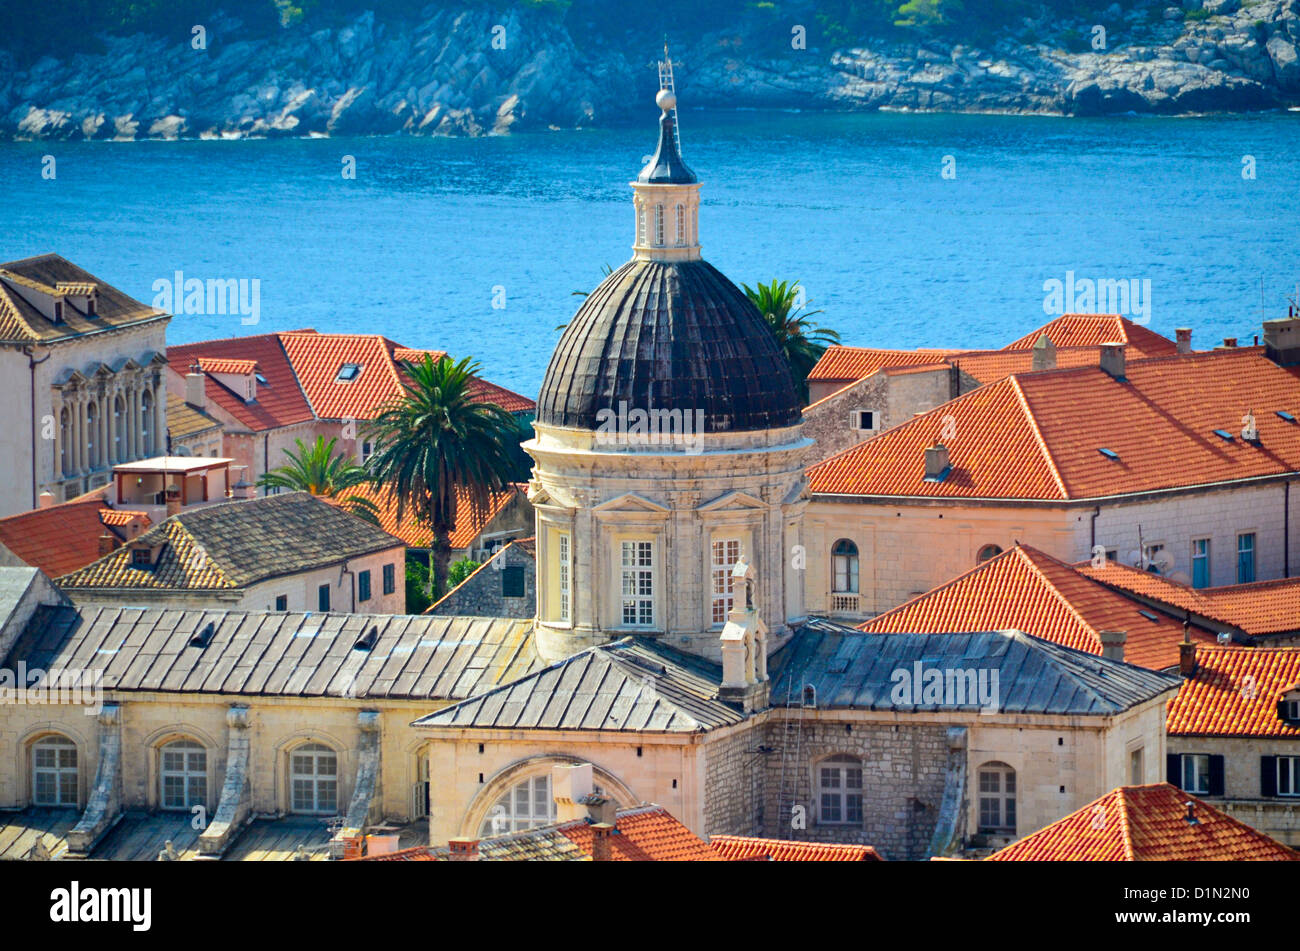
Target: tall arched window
(844, 564)
(146, 423)
(119, 423)
(92, 434)
(997, 799)
(526, 805)
(987, 552)
(681, 226)
(659, 226)
(314, 780)
(839, 790)
(54, 772)
(63, 443)
(183, 775)
(640, 223)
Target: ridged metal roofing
(855, 670)
(632, 684)
(279, 654)
(670, 336)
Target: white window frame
(997, 792)
(318, 787)
(191, 771)
(839, 790)
(1288, 767)
(851, 568)
(681, 225)
(65, 775)
(637, 582)
(721, 583)
(527, 804)
(564, 576)
(659, 226)
(1199, 777)
(855, 420)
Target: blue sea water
(431, 231)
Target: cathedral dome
(669, 335)
(667, 331)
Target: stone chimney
(106, 544)
(1229, 343)
(45, 499)
(1184, 335)
(194, 388)
(599, 809)
(463, 849)
(1044, 354)
(1112, 644)
(173, 500)
(1187, 658)
(242, 490)
(936, 462)
(570, 785)
(601, 846)
(1112, 359)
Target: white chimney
(1112, 359)
(194, 388)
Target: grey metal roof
(633, 684)
(14, 584)
(666, 166)
(421, 657)
(855, 670)
(669, 336)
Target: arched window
(526, 805)
(119, 422)
(987, 552)
(314, 780)
(63, 442)
(659, 226)
(839, 790)
(183, 775)
(997, 799)
(681, 226)
(54, 772)
(844, 564)
(146, 419)
(92, 434)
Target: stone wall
(482, 593)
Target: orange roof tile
(1029, 436)
(469, 523)
(740, 848)
(1235, 692)
(1029, 590)
(1146, 824)
(1092, 330)
(226, 365)
(58, 539)
(280, 401)
(854, 363)
(317, 359)
(646, 834)
(122, 517)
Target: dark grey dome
(669, 335)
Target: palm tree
(433, 440)
(802, 341)
(316, 469)
(605, 270)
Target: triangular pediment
(631, 502)
(736, 501)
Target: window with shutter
(1268, 775)
(1216, 776)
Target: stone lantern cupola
(667, 198)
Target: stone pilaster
(233, 808)
(104, 806)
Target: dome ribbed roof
(669, 335)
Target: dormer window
(1288, 706)
(140, 558)
(348, 373)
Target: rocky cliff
(478, 71)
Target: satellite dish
(1181, 577)
(1162, 561)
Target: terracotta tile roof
(470, 522)
(184, 419)
(1026, 437)
(58, 539)
(236, 544)
(317, 359)
(1235, 692)
(416, 853)
(854, 363)
(646, 834)
(1092, 330)
(21, 321)
(739, 848)
(1146, 824)
(1029, 590)
(227, 365)
(280, 401)
(121, 517)
(992, 365)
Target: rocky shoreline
(478, 72)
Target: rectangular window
(1288, 775)
(726, 552)
(1246, 558)
(562, 547)
(636, 570)
(863, 419)
(390, 579)
(1136, 771)
(323, 598)
(1196, 773)
(282, 602)
(512, 581)
(363, 586)
(1200, 563)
